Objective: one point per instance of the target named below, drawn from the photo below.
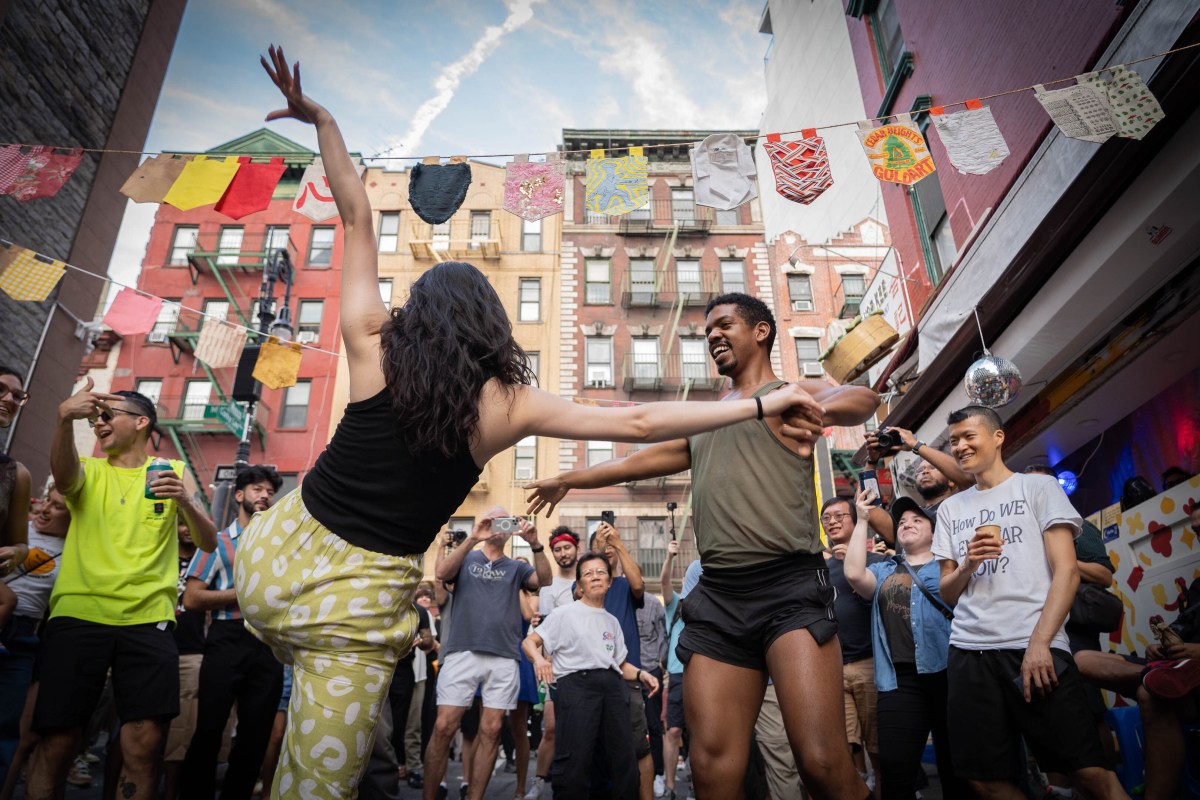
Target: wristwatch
(916, 447)
(638, 677)
(537, 549)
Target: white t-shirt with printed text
(578, 637)
(558, 593)
(1005, 597)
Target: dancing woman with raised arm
(437, 387)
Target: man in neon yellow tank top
(764, 604)
(114, 601)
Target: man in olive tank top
(764, 606)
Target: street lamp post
(278, 268)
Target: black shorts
(734, 615)
(675, 700)
(989, 715)
(74, 663)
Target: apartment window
(731, 217)
(597, 281)
(229, 245)
(645, 358)
(464, 524)
(808, 356)
(525, 459)
(530, 300)
(151, 388)
(196, 395)
(687, 274)
(599, 452)
(889, 39)
(182, 243)
(216, 309)
(535, 366)
(481, 226)
(933, 223)
(308, 319)
(531, 235)
(800, 290)
(644, 212)
(385, 291)
(693, 358)
(599, 361)
(294, 413)
(642, 281)
(683, 205)
(733, 275)
(320, 246)
(854, 286)
(276, 238)
(440, 235)
(389, 231)
(652, 544)
(168, 315)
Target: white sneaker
(660, 786)
(535, 789)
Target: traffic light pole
(277, 268)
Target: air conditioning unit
(306, 337)
(157, 337)
(813, 369)
(802, 305)
(524, 473)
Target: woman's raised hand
(288, 80)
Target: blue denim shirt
(931, 630)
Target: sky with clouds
(456, 76)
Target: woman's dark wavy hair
(440, 348)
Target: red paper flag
(132, 313)
(251, 188)
(43, 173)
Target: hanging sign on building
(898, 152)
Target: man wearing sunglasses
(114, 602)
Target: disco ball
(992, 381)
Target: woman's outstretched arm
(362, 312)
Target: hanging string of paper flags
(1111, 102)
(29, 276)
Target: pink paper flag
(132, 313)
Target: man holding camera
(938, 476)
(482, 647)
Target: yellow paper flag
(278, 363)
(202, 182)
(29, 276)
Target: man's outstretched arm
(665, 458)
(844, 405)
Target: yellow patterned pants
(342, 616)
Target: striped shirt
(216, 568)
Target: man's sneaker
(80, 775)
(415, 780)
(462, 792)
(535, 789)
(660, 786)
(1172, 680)
(443, 793)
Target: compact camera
(888, 439)
(458, 536)
(506, 525)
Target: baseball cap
(902, 504)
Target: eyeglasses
(827, 518)
(589, 573)
(19, 397)
(106, 416)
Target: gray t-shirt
(652, 631)
(487, 607)
(558, 593)
(1004, 599)
(578, 637)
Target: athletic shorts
(74, 662)
(464, 672)
(735, 614)
(637, 712)
(675, 700)
(989, 716)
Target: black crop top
(371, 490)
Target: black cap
(902, 504)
